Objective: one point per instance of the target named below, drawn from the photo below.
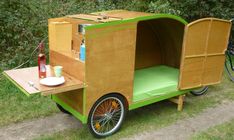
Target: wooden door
(203, 54)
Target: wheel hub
(108, 116)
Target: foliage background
(23, 23)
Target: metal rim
(107, 116)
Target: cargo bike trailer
(132, 59)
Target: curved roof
(133, 17)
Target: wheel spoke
(115, 111)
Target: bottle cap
(41, 45)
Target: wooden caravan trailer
(132, 59)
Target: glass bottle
(41, 61)
(82, 50)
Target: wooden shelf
(23, 77)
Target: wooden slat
(179, 101)
(97, 18)
(124, 14)
(25, 75)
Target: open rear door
(203, 54)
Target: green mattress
(154, 81)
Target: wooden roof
(107, 16)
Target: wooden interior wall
(148, 47)
(77, 37)
(159, 42)
(110, 54)
(71, 66)
(73, 98)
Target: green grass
(157, 115)
(15, 106)
(220, 132)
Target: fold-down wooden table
(27, 80)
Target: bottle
(41, 61)
(82, 50)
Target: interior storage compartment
(157, 59)
(64, 44)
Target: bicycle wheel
(107, 115)
(229, 66)
(200, 91)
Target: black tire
(200, 91)
(109, 109)
(228, 67)
(62, 109)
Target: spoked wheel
(107, 115)
(229, 66)
(200, 91)
(62, 109)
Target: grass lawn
(157, 115)
(15, 106)
(220, 132)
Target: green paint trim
(75, 113)
(155, 16)
(156, 99)
(84, 91)
(84, 101)
(17, 85)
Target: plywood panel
(110, 61)
(60, 36)
(77, 37)
(159, 41)
(205, 39)
(170, 35)
(213, 69)
(148, 47)
(123, 14)
(93, 17)
(73, 98)
(71, 66)
(196, 38)
(218, 37)
(23, 76)
(192, 72)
